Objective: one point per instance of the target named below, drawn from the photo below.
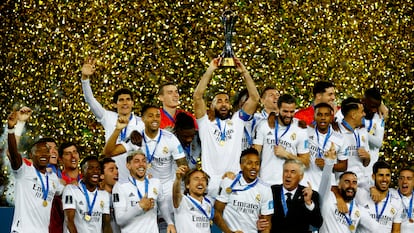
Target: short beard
(345, 197)
(222, 117)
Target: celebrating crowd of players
(273, 169)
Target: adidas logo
(80, 203)
(269, 133)
(131, 195)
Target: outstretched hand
(24, 113)
(88, 68)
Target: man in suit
(296, 207)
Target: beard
(345, 196)
(220, 115)
(283, 120)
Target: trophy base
(227, 62)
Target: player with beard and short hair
(388, 211)
(86, 207)
(281, 140)
(221, 132)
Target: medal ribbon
(150, 157)
(383, 207)
(249, 186)
(45, 191)
(187, 150)
(369, 126)
(169, 116)
(356, 135)
(349, 220)
(124, 130)
(264, 114)
(134, 182)
(222, 133)
(248, 136)
(283, 199)
(201, 208)
(90, 205)
(409, 210)
(276, 129)
(328, 135)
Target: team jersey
(319, 144)
(189, 218)
(385, 213)
(129, 215)
(74, 198)
(244, 207)
(375, 128)
(247, 140)
(407, 226)
(30, 212)
(193, 152)
(293, 138)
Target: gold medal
(352, 227)
(411, 220)
(149, 165)
(221, 142)
(228, 190)
(87, 218)
(44, 203)
(211, 222)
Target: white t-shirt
(294, 140)
(129, 215)
(29, 213)
(392, 212)
(189, 218)
(74, 198)
(244, 207)
(317, 150)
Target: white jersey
(248, 131)
(74, 198)
(30, 215)
(350, 140)
(115, 227)
(293, 138)
(333, 220)
(408, 212)
(129, 215)
(189, 218)
(375, 128)
(162, 151)
(244, 207)
(107, 118)
(193, 152)
(319, 144)
(388, 211)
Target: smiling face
(323, 117)
(152, 119)
(70, 158)
(124, 104)
(382, 179)
(53, 149)
(221, 106)
(110, 174)
(286, 113)
(197, 184)
(170, 96)
(406, 182)
(138, 166)
(292, 175)
(326, 97)
(40, 156)
(91, 172)
(348, 186)
(269, 100)
(250, 166)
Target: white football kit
(193, 216)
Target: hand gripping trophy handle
(228, 19)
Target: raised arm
(111, 148)
(250, 105)
(88, 69)
(177, 194)
(199, 104)
(14, 156)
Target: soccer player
(137, 200)
(221, 132)
(193, 211)
(281, 140)
(406, 193)
(34, 186)
(242, 200)
(268, 99)
(109, 176)
(86, 207)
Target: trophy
(229, 20)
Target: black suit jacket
(299, 217)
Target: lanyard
(222, 133)
(369, 126)
(283, 199)
(328, 135)
(124, 130)
(169, 116)
(187, 150)
(45, 191)
(201, 208)
(409, 210)
(276, 130)
(356, 135)
(134, 182)
(151, 156)
(55, 170)
(349, 220)
(246, 132)
(383, 207)
(249, 186)
(264, 114)
(85, 192)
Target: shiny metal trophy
(228, 19)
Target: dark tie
(289, 197)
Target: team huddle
(231, 165)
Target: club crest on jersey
(392, 211)
(363, 138)
(165, 150)
(357, 213)
(258, 197)
(229, 122)
(293, 136)
(102, 204)
(155, 191)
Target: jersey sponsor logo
(69, 199)
(245, 207)
(131, 195)
(115, 197)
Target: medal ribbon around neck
(408, 209)
(201, 208)
(248, 136)
(150, 157)
(369, 126)
(349, 220)
(356, 135)
(85, 192)
(276, 130)
(328, 135)
(124, 130)
(283, 199)
(134, 182)
(222, 133)
(45, 191)
(383, 207)
(169, 116)
(249, 186)
(187, 150)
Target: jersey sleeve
(303, 144)
(68, 197)
(267, 207)
(95, 106)
(259, 135)
(223, 196)
(123, 212)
